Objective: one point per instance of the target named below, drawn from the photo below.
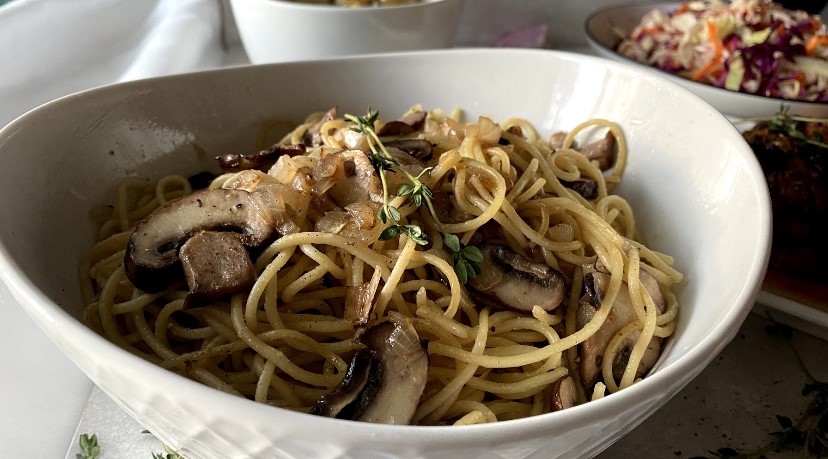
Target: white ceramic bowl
(605, 27)
(697, 190)
(278, 31)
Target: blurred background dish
(606, 28)
(278, 30)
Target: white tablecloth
(48, 49)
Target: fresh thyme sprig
(381, 160)
(419, 192)
(167, 454)
(466, 259)
(413, 231)
(89, 446)
(785, 123)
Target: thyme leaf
(466, 259)
(414, 232)
(389, 213)
(419, 193)
(452, 242)
(89, 446)
(787, 124)
(381, 163)
(167, 454)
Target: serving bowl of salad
(293, 30)
(747, 58)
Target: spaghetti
(289, 339)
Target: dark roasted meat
(797, 175)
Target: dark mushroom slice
(151, 260)
(263, 160)
(216, 264)
(556, 140)
(408, 124)
(313, 135)
(404, 362)
(347, 177)
(363, 375)
(418, 148)
(602, 151)
(587, 188)
(648, 360)
(406, 161)
(517, 282)
(564, 394)
(387, 379)
(592, 350)
(514, 130)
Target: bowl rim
(336, 9)
(50, 315)
(648, 6)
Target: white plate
(803, 304)
(605, 27)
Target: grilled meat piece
(797, 176)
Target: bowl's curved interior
(605, 27)
(697, 191)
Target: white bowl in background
(605, 27)
(278, 30)
(696, 188)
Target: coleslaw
(752, 46)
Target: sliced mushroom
(418, 148)
(587, 188)
(151, 260)
(313, 135)
(263, 160)
(602, 151)
(517, 282)
(364, 374)
(564, 394)
(404, 363)
(514, 130)
(648, 360)
(556, 140)
(348, 177)
(383, 383)
(621, 314)
(216, 264)
(409, 124)
(406, 161)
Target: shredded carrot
(684, 7)
(649, 31)
(718, 51)
(815, 41)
